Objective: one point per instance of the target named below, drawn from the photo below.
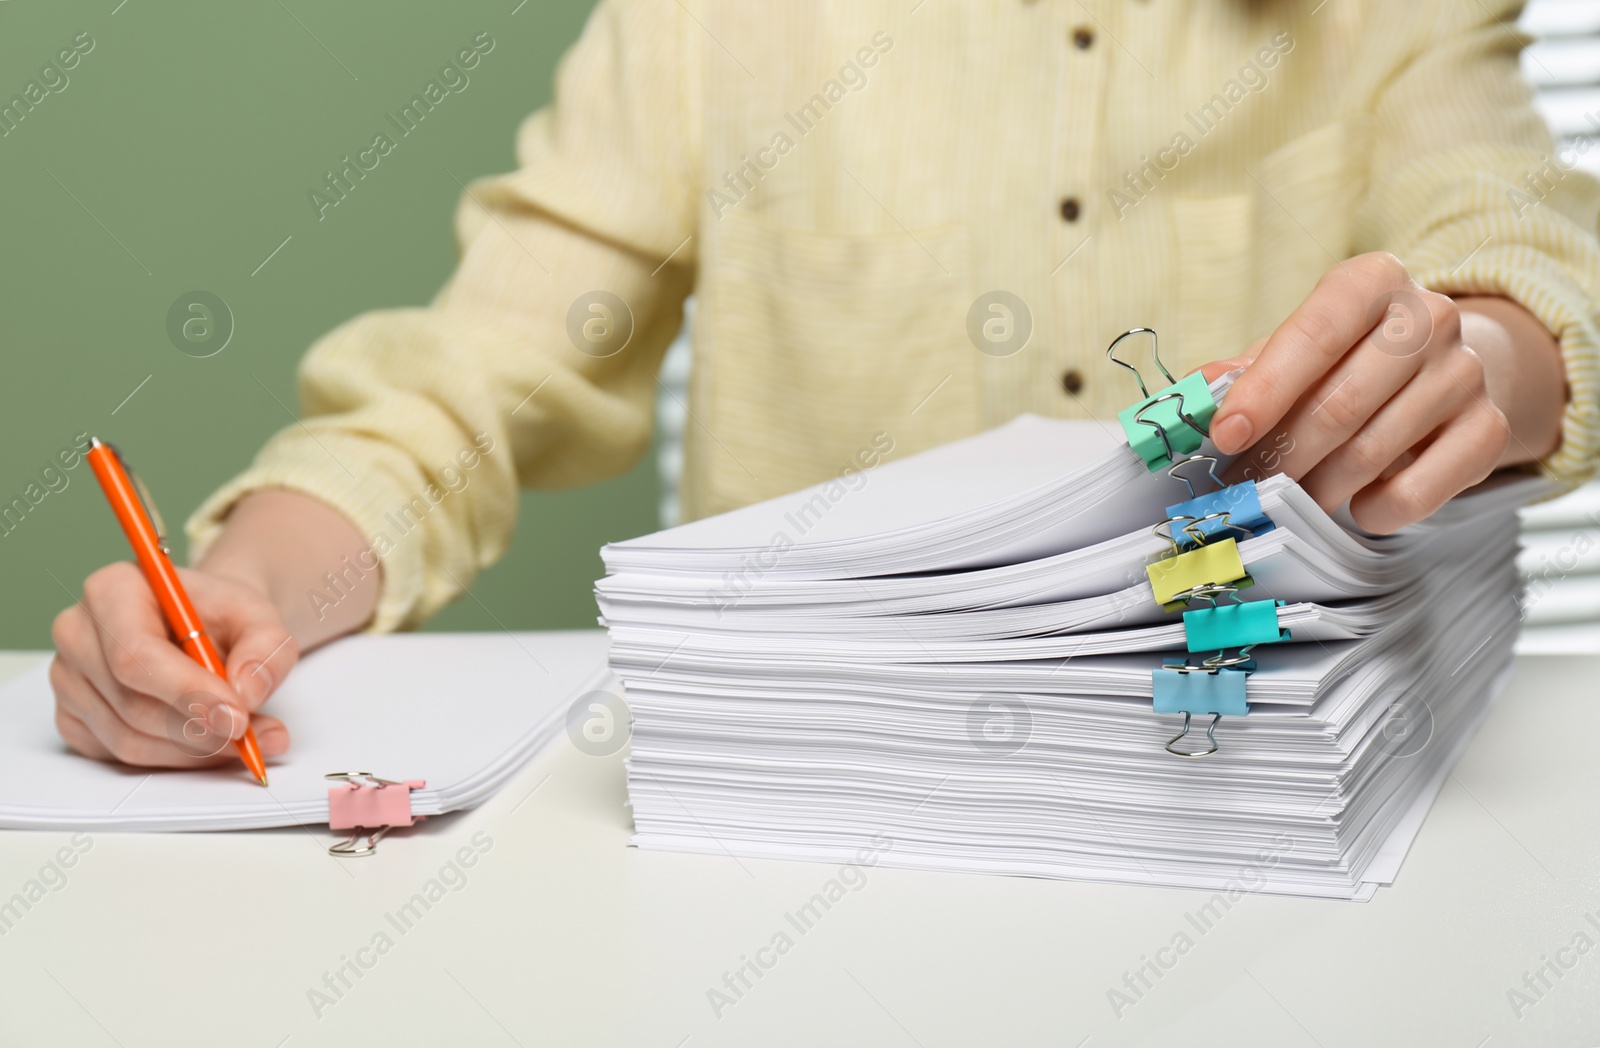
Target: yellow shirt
(846, 186)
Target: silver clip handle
(146, 500)
(1155, 354)
(348, 849)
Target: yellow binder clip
(1213, 564)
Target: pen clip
(146, 500)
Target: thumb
(248, 629)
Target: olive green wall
(176, 156)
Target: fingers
(90, 725)
(79, 737)
(247, 626)
(84, 681)
(135, 655)
(1348, 302)
(1338, 406)
(125, 692)
(1464, 453)
(1428, 401)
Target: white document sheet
(462, 711)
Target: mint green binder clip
(1170, 422)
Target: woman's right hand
(125, 692)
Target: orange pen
(139, 520)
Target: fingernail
(274, 741)
(1232, 434)
(227, 721)
(253, 682)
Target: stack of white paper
(949, 660)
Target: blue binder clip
(1233, 508)
(1216, 686)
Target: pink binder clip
(370, 805)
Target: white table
(563, 935)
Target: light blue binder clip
(1216, 686)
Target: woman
(916, 220)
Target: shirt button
(1070, 209)
(1083, 37)
(1072, 381)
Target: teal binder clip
(1189, 690)
(1233, 625)
(1170, 422)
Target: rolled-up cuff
(1534, 281)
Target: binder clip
(1171, 422)
(1175, 579)
(1195, 532)
(1211, 472)
(1181, 687)
(1237, 625)
(1236, 507)
(1204, 564)
(368, 805)
(1209, 572)
(1215, 686)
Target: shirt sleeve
(1468, 189)
(537, 361)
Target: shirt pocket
(1307, 193)
(1247, 259)
(1215, 238)
(812, 343)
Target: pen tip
(263, 778)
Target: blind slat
(1546, 18)
(1569, 62)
